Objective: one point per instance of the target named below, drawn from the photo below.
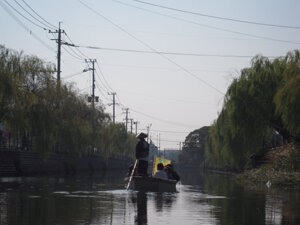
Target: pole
(148, 131)
(93, 80)
(59, 43)
(136, 124)
(114, 111)
(58, 53)
(131, 121)
(114, 103)
(131, 175)
(93, 97)
(126, 117)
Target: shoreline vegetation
(40, 114)
(280, 170)
(257, 132)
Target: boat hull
(152, 184)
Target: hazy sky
(174, 93)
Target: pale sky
(174, 93)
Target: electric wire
(81, 90)
(32, 15)
(71, 54)
(80, 52)
(218, 17)
(162, 68)
(53, 26)
(148, 46)
(75, 55)
(25, 27)
(170, 53)
(101, 92)
(72, 75)
(101, 72)
(166, 131)
(24, 16)
(162, 120)
(78, 56)
(166, 98)
(100, 80)
(209, 26)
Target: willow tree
(262, 101)
(288, 95)
(54, 117)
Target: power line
(80, 52)
(162, 120)
(218, 17)
(169, 53)
(72, 75)
(162, 68)
(71, 54)
(39, 15)
(25, 27)
(109, 87)
(104, 86)
(24, 16)
(32, 15)
(101, 92)
(162, 97)
(168, 131)
(209, 26)
(148, 46)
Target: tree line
(45, 115)
(259, 106)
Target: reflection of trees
(33, 201)
(164, 200)
(3, 209)
(239, 207)
(282, 208)
(191, 177)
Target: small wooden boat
(142, 183)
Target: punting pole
(131, 175)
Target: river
(101, 199)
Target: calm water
(101, 199)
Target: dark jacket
(141, 149)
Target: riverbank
(280, 170)
(25, 163)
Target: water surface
(102, 199)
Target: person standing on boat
(142, 154)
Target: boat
(143, 183)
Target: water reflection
(141, 202)
(102, 199)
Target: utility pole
(126, 117)
(93, 80)
(131, 122)
(59, 43)
(136, 124)
(159, 143)
(114, 103)
(148, 130)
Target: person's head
(160, 166)
(170, 166)
(142, 136)
(167, 169)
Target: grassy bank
(282, 169)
